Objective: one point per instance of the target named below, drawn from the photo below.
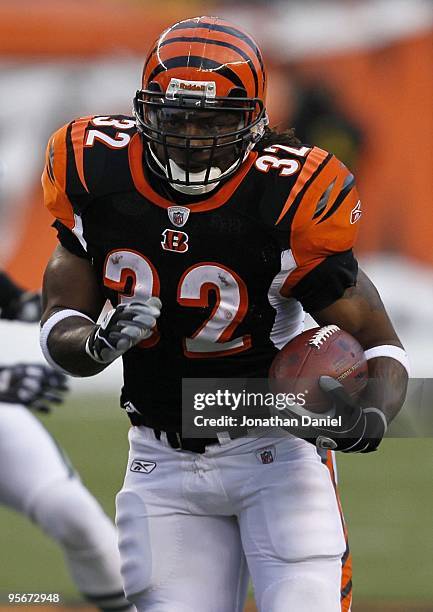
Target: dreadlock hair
(273, 136)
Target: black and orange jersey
(234, 269)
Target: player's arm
(349, 299)
(69, 287)
(72, 302)
(361, 313)
(330, 287)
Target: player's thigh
(30, 459)
(178, 561)
(305, 586)
(291, 517)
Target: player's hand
(362, 429)
(33, 385)
(27, 307)
(122, 328)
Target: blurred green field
(387, 498)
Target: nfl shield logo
(178, 215)
(266, 455)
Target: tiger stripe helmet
(201, 66)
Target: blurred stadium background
(353, 76)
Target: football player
(36, 478)
(17, 304)
(211, 234)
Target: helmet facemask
(194, 138)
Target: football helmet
(201, 108)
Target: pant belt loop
(174, 439)
(223, 437)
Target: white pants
(37, 480)
(191, 527)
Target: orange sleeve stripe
(311, 197)
(58, 144)
(314, 159)
(55, 196)
(77, 136)
(311, 242)
(339, 181)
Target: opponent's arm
(72, 301)
(16, 304)
(33, 385)
(361, 313)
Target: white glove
(122, 328)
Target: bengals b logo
(174, 240)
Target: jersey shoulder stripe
(313, 163)
(323, 224)
(54, 178)
(86, 159)
(78, 132)
(100, 149)
(340, 195)
(284, 174)
(310, 204)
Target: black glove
(32, 385)
(26, 307)
(362, 429)
(122, 328)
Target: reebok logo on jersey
(140, 465)
(355, 213)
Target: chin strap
(197, 188)
(178, 173)
(215, 173)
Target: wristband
(389, 350)
(47, 328)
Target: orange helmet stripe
(209, 44)
(221, 27)
(220, 43)
(195, 61)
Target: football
(321, 351)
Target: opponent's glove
(362, 429)
(122, 328)
(32, 385)
(26, 307)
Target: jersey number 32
(214, 337)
